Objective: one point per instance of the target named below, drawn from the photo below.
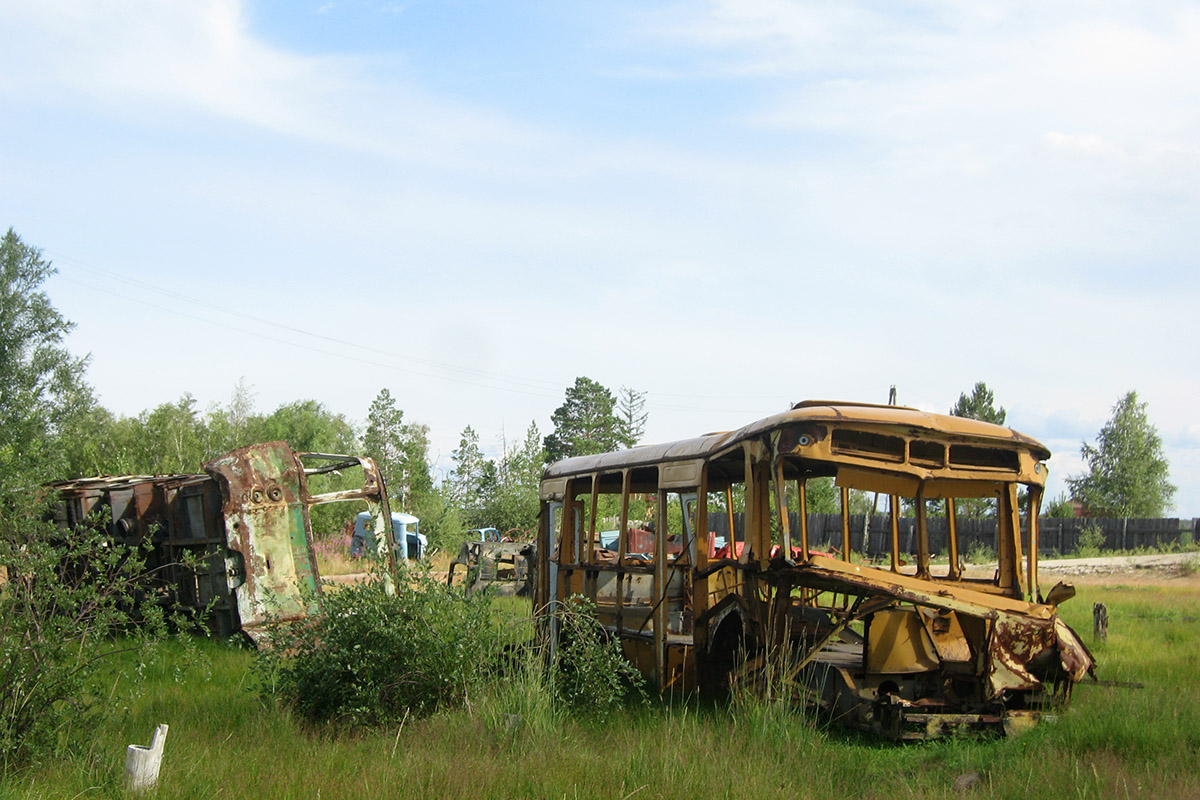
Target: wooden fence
(1057, 535)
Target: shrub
(1090, 542)
(590, 674)
(66, 594)
(980, 553)
(374, 657)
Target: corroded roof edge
(807, 411)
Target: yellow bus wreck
(695, 560)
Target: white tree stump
(142, 763)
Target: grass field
(224, 742)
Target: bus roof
(892, 419)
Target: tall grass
(521, 706)
(1111, 742)
(333, 556)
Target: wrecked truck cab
(408, 542)
(484, 535)
(503, 569)
(714, 580)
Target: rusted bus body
(904, 650)
(235, 543)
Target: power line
(308, 348)
(470, 376)
(530, 383)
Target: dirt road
(1178, 564)
(1157, 566)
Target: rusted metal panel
(897, 642)
(681, 475)
(267, 533)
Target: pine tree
(472, 473)
(400, 449)
(631, 411)
(980, 405)
(585, 423)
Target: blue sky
(728, 205)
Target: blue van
(483, 535)
(409, 542)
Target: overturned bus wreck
(234, 545)
(710, 579)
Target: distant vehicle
(483, 535)
(505, 569)
(410, 542)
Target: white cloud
(935, 69)
(1087, 144)
(151, 58)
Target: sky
(730, 206)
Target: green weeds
(66, 593)
(589, 674)
(1090, 542)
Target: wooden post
(952, 538)
(1100, 621)
(142, 763)
(894, 523)
(845, 524)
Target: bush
(1060, 507)
(65, 596)
(372, 657)
(1090, 542)
(590, 674)
(980, 553)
